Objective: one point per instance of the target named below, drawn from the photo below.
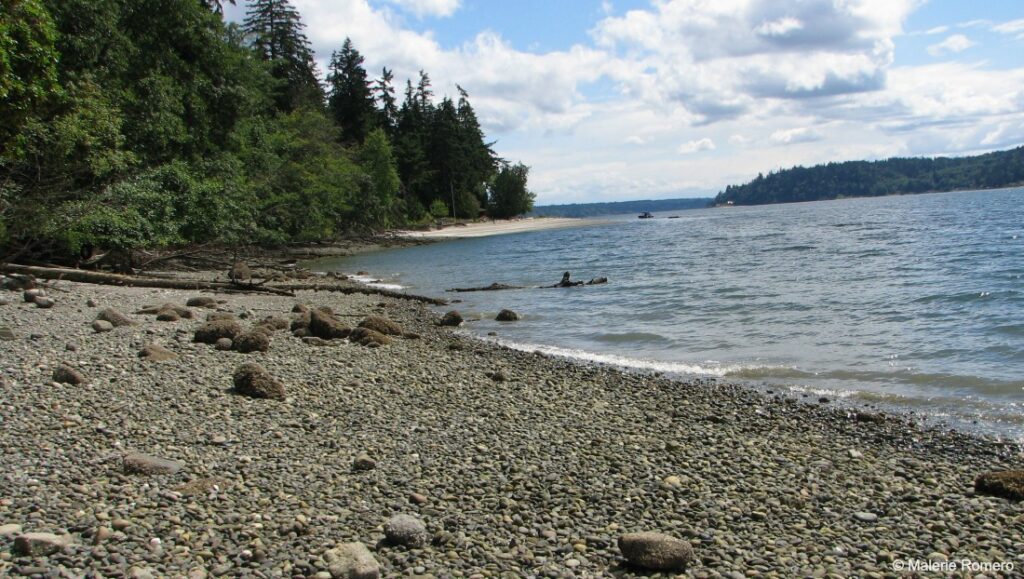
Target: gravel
(538, 474)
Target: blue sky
(614, 100)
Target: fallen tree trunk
(490, 288)
(104, 278)
(347, 290)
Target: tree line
(132, 124)
(622, 207)
(876, 178)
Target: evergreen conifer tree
(275, 28)
(349, 99)
(385, 95)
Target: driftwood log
(489, 288)
(566, 282)
(348, 290)
(104, 278)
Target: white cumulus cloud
(780, 27)
(953, 44)
(1015, 27)
(421, 8)
(797, 135)
(697, 146)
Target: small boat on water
(646, 215)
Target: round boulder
(452, 319)
(406, 530)
(44, 302)
(1008, 484)
(100, 326)
(212, 331)
(252, 341)
(656, 551)
(67, 375)
(224, 344)
(507, 316)
(252, 380)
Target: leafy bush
(438, 209)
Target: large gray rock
(44, 302)
(656, 551)
(40, 544)
(101, 326)
(7, 334)
(141, 463)
(116, 318)
(252, 380)
(351, 561)
(406, 530)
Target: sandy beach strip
(509, 463)
(500, 227)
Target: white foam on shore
(707, 369)
(373, 282)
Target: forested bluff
(876, 178)
(131, 124)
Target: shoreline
(526, 463)
(499, 227)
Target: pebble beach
(440, 455)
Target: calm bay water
(913, 303)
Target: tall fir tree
(349, 99)
(275, 28)
(385, 95)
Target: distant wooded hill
(620, 207)
(876, 178)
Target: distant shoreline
(499, 227)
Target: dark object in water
(566, 282)
(489, 288)
(646, 215)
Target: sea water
(908, 303)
